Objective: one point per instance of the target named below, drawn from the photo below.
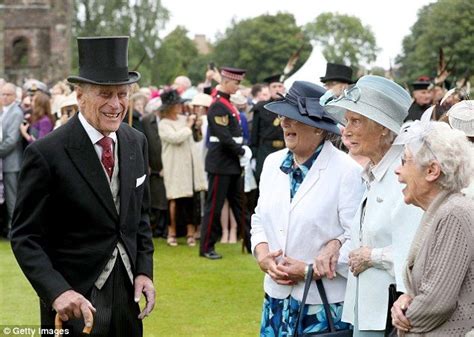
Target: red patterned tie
(107, 155)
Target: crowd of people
(370, 185)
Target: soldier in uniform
(422, 98)
(223, 164)
(267, 135)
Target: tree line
(264, 44)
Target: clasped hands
(285, 270)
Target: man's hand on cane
(71, 304)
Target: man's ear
(432, 171)
(80, 96)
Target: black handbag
(332, 330)
(393, 295)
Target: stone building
(35, 39)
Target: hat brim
(338, 109)
(133, 77)
(283, 108)
(339, 79)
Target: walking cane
(58, 325)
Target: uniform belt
(238, 140)
(276, 144)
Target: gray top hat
(376, 98)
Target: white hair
(453, 151)
(183, 81)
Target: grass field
(195, 296)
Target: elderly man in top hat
(422, 98)
(337, 78)
(81, 231)
(224, 161)
(267, 135)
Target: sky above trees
(390, 22)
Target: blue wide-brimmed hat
(375, 97)
(301, 103)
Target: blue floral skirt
(279, 317)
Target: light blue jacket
(11, 147)
(388, 227)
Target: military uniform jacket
(224, 127)
(267, 134)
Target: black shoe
(211, 255)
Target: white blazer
(388, 222)
(321, 210)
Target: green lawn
(195, 296)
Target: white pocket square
(140, 180)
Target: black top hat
(301, 103)
(337, 72)
(273, 79)
(103, 60)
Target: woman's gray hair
(453, 151)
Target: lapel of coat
(82, 153)
(313, 174)
(127, 158)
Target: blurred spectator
(31, 86)
(183, 171)
(267, 135)
(41, 121)
(422, 98)
(68, 107)
(181, 84)
(337, 78)
(159, 203)
(138, 102)
(58, 92)
(259, 92)
(199, 106)
(11, 148)
(461, 117)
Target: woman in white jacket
(373, 111)
(309, 194)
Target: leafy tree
(262, 45)
(174, 56)
(142, 20)
(447, 24)
(344, 39)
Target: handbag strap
(307, 284)
(327, 309)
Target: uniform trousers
(116, 311)
(222, 186)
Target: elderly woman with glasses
(439, 276)
(372, 112)
(309, 193)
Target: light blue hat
(376, 98)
